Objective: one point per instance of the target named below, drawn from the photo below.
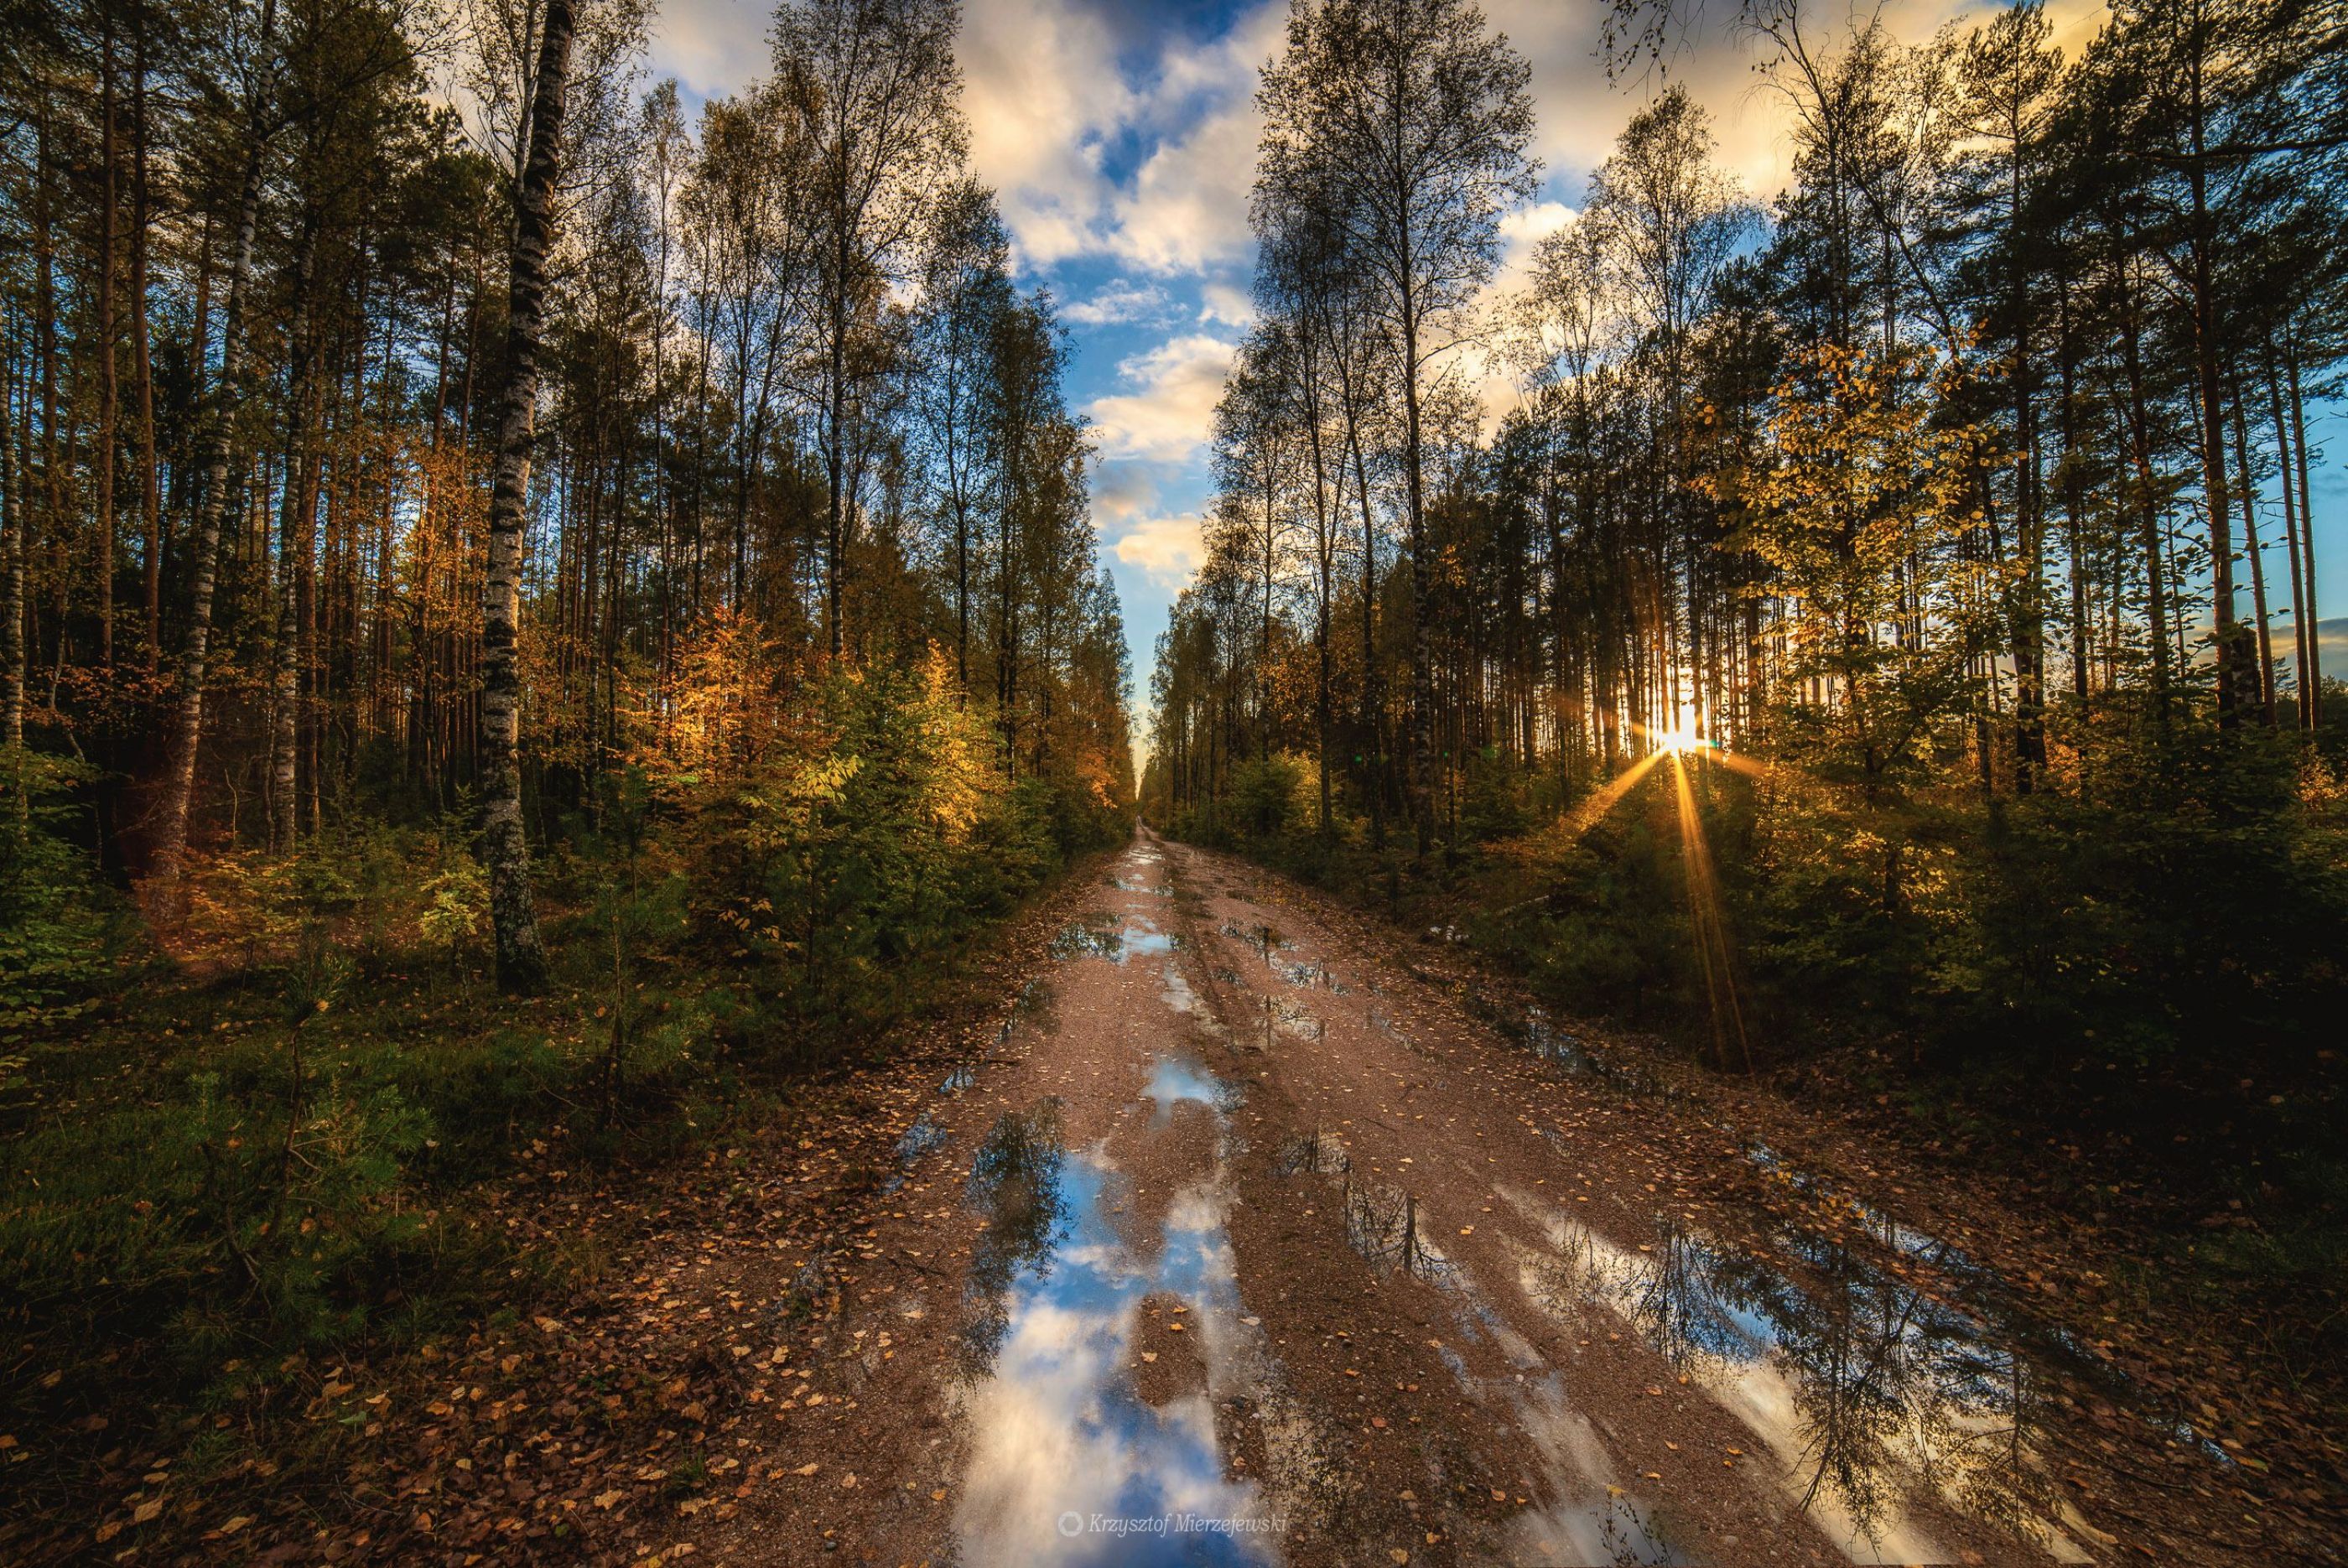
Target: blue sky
(1120, 138)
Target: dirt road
(1243, 1245)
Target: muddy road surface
(1238, 1245)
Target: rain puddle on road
(1868, 1392)
(1568, 1055)
(1990, 1295)
(1174, 1081)
(1589, 1516)
(1084, 1447)
(1100, 936)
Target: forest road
(1243, 1245)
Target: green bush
(56, 919)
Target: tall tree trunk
(180, 773)
(2294, 507)
(295, 529)
(103, 458)
(2307, 543)
(2148, 519)
(2264, 690)
(13, 497)
(521, 957)
(2232, 646)
(1422, 675)
(150, 503)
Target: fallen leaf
(606, 1499)
(808, 1468)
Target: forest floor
(1225, 1224)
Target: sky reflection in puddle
(1867, 1390)
(1569, 1056)
(1174, 1081)
(1589, 1517)
(1098, 936)
(916, 1141)
(1058, 1435)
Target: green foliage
(1267, 796)
(54, 919)
(457, 908)
(878, 835)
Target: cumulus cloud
(1171, 411)
(712, 47)
(1118, 303)
(1050, 94)
(1225, 304)
(1166, 549)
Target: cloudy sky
(1120, 138)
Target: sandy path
(1241, 1246)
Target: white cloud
(1048, 97)
(1041, 86)
(1579, 114)
(712, 47)
(1167, 549)
(1118, 303)
(1226, 304)
(1170, 413)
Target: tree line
(1984, 441)
(362, 459)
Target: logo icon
(1072, 1523)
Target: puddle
(1568, 1055)
(915, 1141)
(1258, 936)
(1100, 936)
(1382, 1222)
(1139, 885)
(1273, 1016)
(959, 1079)
(1176, 990)
(1867, 1390)
(1588, 1516)
(1060, 1436)
(1174, 1081)
(1304, 974)
(1990, 1295)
